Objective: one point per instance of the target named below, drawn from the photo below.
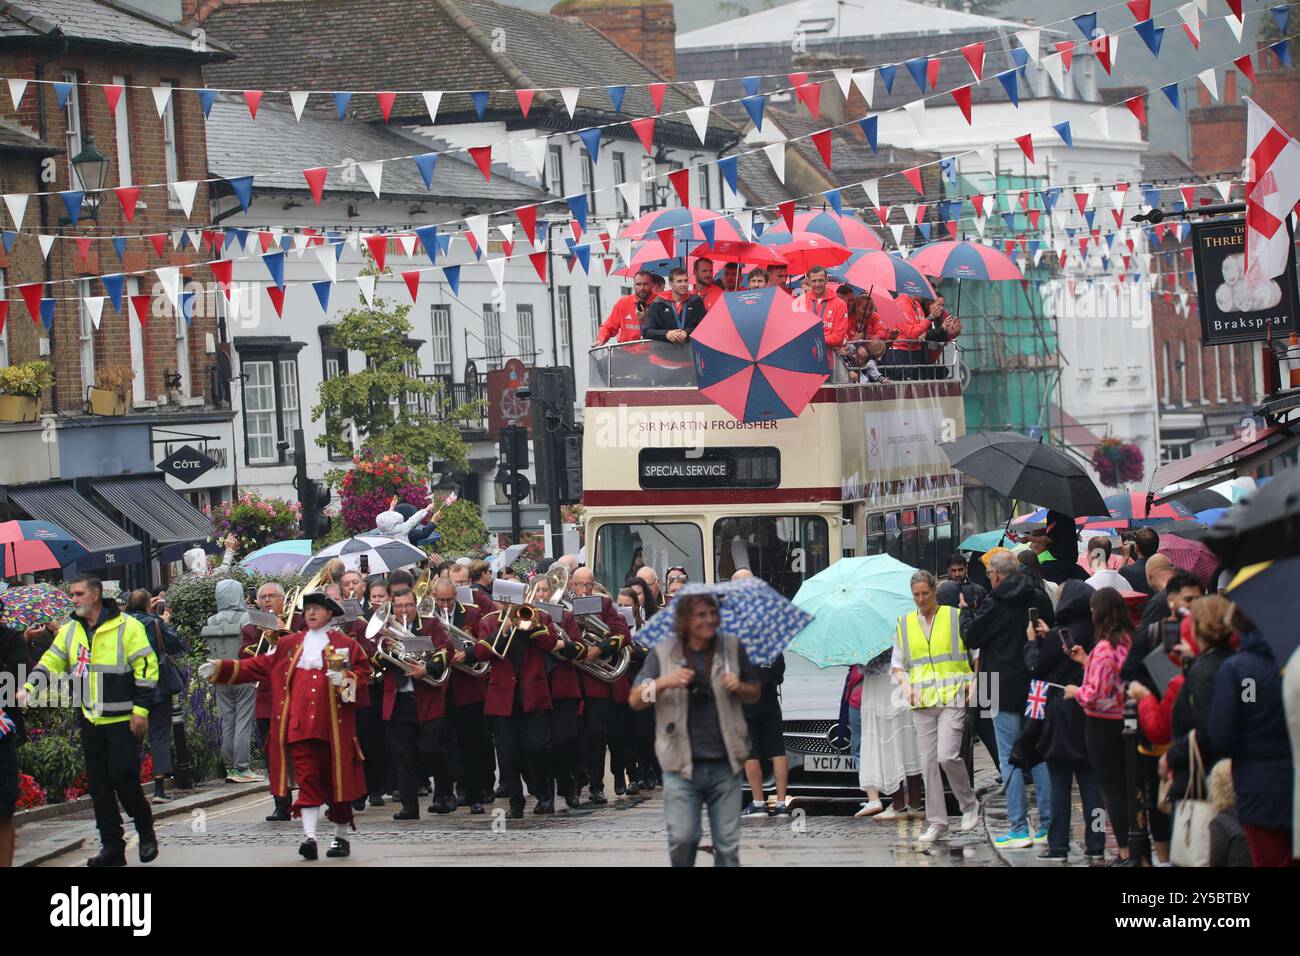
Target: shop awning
(173, 524)
(1228, 460)
(109, 545)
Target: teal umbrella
(986, 541)
(282, 557)
(856, 604)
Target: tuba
(390, 639)
(594, 633)
(464, 641)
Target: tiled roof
(16, 139)
(275, 147)
(758, 183)
(97, 22)
(1167, 167)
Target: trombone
(525, 616)
(293, 604)
(425, 606)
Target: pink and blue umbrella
(27, 547)
(964, 260)
(1127, 510)
(848, 231)
(687, 223)
(759, 358)
(883, 272)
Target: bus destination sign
(687, 468)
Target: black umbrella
(1263, 527)
(1271, 600)
(1204, 500)
(1027, 470)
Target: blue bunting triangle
(429, 241)
(1110, 240)
(72, 200)
(887, 75)
(425, 163)
(832, 197)
(187, 306)
(274, 262)
(62, 91)
(708, 229)
(185, 239)
(1008, 80)
(286, 242)
(480, 100)
(1049, 197)
(750, 83)
(591, 139)
(1091, 216)
(1010, 219)
(1281, 13)
(47, 313)
(1151, 35)
(113, 285)
(578, 206)
(1283, 51)
(924, 229)
(1035, 245)
(754, 106)
(243, 189)
(341, 103)
(870, 128)
(583, 252)
(241, 237)
(452, 274)
(616, 94)
(948, 167)
(1020, 57)
(916, 66)
(759, 226)
(727, 166)
(1087, 24)
(322, 289)
(1171, 92)
(119, 246)
(1151, 196)
(1064, 130)
(206, 99)
(444, 244)
(8, 237)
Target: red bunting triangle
(667, 240)
(412, 280)
(882, 213)
(1192, 37)
(609, 265)
(83, 247)
(1066, 49)
(253, 98)
(265, 240)
(974, 54)
(645, 131)
(386, 101)
(978, 202)
(507, 247)
(1101, 47)
(1141, 9)
(576, 228)
(1024, 199)
(538, 259)
(952, 227)
(914, 177)
(1033, 215)
(1160, 231)
(811, 95)
(473, 243)
(378, 246)
(128, 196)
(113, 94)
(1083, 246)
(1129, 243)
(525, 98)
(920, 213)
(156, 240)
(1189, 195)
(962, 96)
(797, 79)
(1137, 105)
(1235, 7)
(221, 270)
(604, 240)
(32, 293)
(276, 295)
(316, 180)
(1026, 144)
(140, 305)
(656, 91)
(527, 216)
(681, 180)
(1009, 245)
(787, 213)
(932, 72)
(1119, 217)
(4, 311)
(482, 156)
(822, 140)
(1246, 65)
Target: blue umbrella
(752, 610)
(856, 603)
(1211, 515)
(986, 541)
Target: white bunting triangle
(537, 152)
(162, 95)
(624, 249)
(1203, 6)
(367, 286)
(916, 110)
(844, 77)
(508, 230)
(1029, 40)
(169, 277)
(16, 203)
(979, 224)
(1210, 80)
(1225, 189)
(570, 96)
(909, 211)
(1053, 67)
(631, 193)
(1235, 26)
(1114, 50)
(776, 156)
(699, 117)
(196, 238)
(872, 188)
(328, 261)
(177, 235)
(299, 100)
(746, 221)
(16, 90)
(94, 308)
(374, 173)
(705, 89)
(498, 269)
(300, 244)
(865, 81)
(897, 229)
(1192, 17)
(1038, 257)
(990, 202)
(407, 242)
(990, 156)
(478, 226)
(1101, 119)
(46, 242)
(432, 100)
(1117, 199)
(184, 191)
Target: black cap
(324, 600)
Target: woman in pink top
(1102, 700)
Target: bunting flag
(373, 171)
(644, 127)
(366, 286)
(242, 186)
(1141, 9)
(786, 210)
(578, 208)
(932, 72)
(412, 280)
(140, 305)
(754, 107)
(1191, 17)
(913, 176)
(887, 74)
(527, 216)
(833, 197)
(810, 95)
(378, 246)
(1008, 80)
(525, 98)
(1026, 144)
(538, 259)
(253, 98)
(425, 163)
(705, 90)
(299, 102)
(916, 111)
(616, 94)
(480, 100)
(1064, 130)
(452, 275)
(776, 156)
(1066, 49)
(699, 117)
(322, 290)
(822, 140)
(16, 90)
(1210, 80)
(591, 140)
(668, 239)
(206, 99)
(974, 54)
(129, 197)
(569, 95)
(1029, 41)
(32, 293)
(432, 101)
(341, 100)
(1087, 24)
(316, 181)
(274, 262)
(656, 91)
(750, 83)
(61, 93)
(870, 129)
(156, 240)
(16, 203)
(865, 81)
(1171, 92)
(962, 96)
(1151, 35)
(1137, 105)
(916, 66)
(482, 156)
(72, 202)
(681, 181)
(112, 95)
(1246, 66)
(276, 295)
(222, 269)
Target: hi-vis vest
(938, 669)
(119, 667)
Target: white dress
(889, 751)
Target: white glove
(335, 677)
(208, 670)
(22, 697)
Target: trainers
(870, 809)
(1014, 841)
(232, 775)
(1040, 838)
(782, 808)
(915, 813)
(754, 811)
(931, 835)
(890, 813)
(970, 819)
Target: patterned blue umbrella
(752, 610)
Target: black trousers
(370, 733)
(112, 775)
(564, 743)
(524, 746)
(263, 732)
(595, 737)
(1105, 742)
(473, 751)
(410, 740)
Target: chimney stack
(646, 29)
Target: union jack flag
(83, 661)
(1036, 705)
(7, 725)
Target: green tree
(420, 426)
(462, 530)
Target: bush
(52, 755)
(462, 529)
(193, 599)
(257, 521)
(29, 379)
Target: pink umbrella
(846, 230)
(964, 260)
(685, 223)
(812, 250)
(1191, 556)
(729, 250)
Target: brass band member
(473, 763)
(596, 693)
(566, 699)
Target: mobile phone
(1033, 615)
(365, 564)
(1067, 641)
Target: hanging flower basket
(1118, 462)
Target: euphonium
(464, 641)
(390, 649)
(594, 633)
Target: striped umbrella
(883, 272)
(963, 259)
(382, 554)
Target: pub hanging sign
(1231, 309)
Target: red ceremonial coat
(430, 702)
(534, 690)
(296, 713)
(249, 637)
(564, 675)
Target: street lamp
(92, 167)
(663, 166)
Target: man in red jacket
(629, 313)
(597, 694)
(827, 306)
(705, 287)
(473, 763)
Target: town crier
(313, 675)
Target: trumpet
(391, 638)
(464, 641)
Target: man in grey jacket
(236, 703)
(698, 682)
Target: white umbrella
(382, 554)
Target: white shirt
(1106, 578)
(313, 650)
